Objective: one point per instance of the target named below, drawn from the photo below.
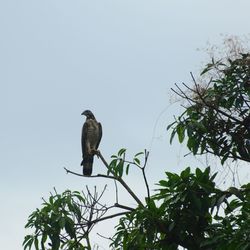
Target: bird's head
(88, 114)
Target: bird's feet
(95, 152)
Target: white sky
(117, 58)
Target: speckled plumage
(91, 137)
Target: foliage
(186, 209)
(119, 162)
(217, 118)
(187, 216)
(56, 222)
(66, 219)
(232, 231)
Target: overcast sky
(117, 58)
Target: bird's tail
(87, 164)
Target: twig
(124, 207)
(104, 237)
(212, 106)
(116, 192)
(90, 223)
(89, 176)
(108, 217)
(144, 174)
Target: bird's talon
(95, 152)
(98, 153)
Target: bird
(90, 140)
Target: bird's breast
(93, 132)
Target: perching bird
(91, 137)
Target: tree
(217, 118)
(66, 220)
(186, 209)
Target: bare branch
(90, 176)
(124, 207)
(109, 217)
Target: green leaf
(234, 204)
(55, 241)
(172, 135)
(28, 241)
(69, 227)
(36, 243)
(43, 240)
(207, 171)
(112, 165)
(51, 199)
(163, 183)
(120, 168)
(127, 169)
(170, 125)
(208, 68)
(140, 153)
(196, 147)
(224, 158)
(198, 173)
(180, 132)
(203, 145)
(192, 144)
(121, 151)
(62, 222)
(196, 201)
(185, 173)
(221, 200)
(80, 198)
(137, 161)
(236, 192)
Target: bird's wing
(100, 135)
(84, 138)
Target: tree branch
(102, 218)
(90, 176)
(114, 177)
(124, 207)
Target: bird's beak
(83, 113)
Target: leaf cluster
(55, 223)
(185, 212)
(119, 164)
(217, 118)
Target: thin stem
(144, 174)
(116, 192)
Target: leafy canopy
(186, 209)
(217, 117)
